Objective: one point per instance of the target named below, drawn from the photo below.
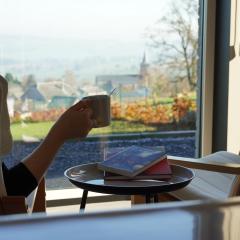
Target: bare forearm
(75, 123)
(39, 161)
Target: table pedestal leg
(84, 200)
(151, 198)
(148, 198)
(155, 197)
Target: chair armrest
(197, 163)
(13, 205)
(36, 201)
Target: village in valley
(29, 95)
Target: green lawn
(40, 129)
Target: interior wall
(233, 133)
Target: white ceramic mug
(100, 105)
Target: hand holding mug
(76, 122)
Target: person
(23, 178)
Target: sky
(83, 31)
(84, 19)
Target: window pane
(54, 53)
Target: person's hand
(75, 123)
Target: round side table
(89, 178)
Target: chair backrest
(208, 183)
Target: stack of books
(136, 163)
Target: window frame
(206, 76)
(213, 86)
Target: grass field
(40, 129)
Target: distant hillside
(48, 57)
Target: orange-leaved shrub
(132, 111)
(147, 114)
(151, 114)
(39, 116)
(181, 106)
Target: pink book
(162, 167)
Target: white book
(222, 157)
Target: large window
(55, 52)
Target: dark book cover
(132, 161)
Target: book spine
(113, 170)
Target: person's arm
(75, 123)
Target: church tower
(144, 71)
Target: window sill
(67, 197)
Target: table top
(89, 177)
(187, 221)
